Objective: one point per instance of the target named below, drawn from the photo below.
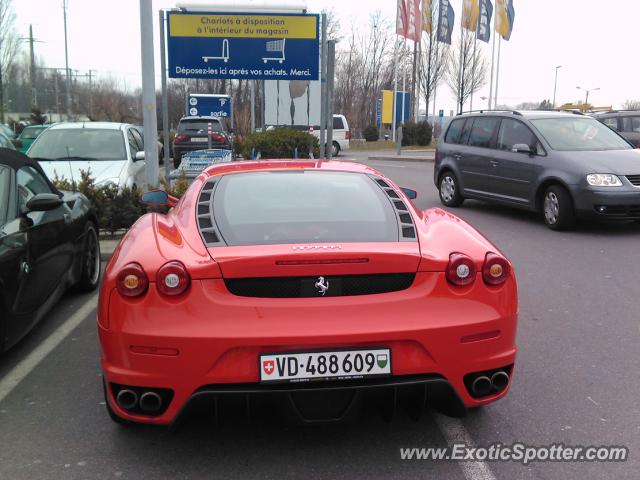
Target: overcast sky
(595, 41)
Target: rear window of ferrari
(267, 208)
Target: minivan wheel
(557, 208)
(449, 191)
(335, 149)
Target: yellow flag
(427, 16)
(470, 13)
(502, 18)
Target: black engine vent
(407, 230)
(204, 213)
(305, 287)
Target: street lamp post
(586, 95)
(555, 84)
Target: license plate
(199, 139)
(338, 365)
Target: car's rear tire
(449, 190)
(91, 262)
(335, 149)
(557, 208)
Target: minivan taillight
(132, 281)
(216, 137)
(347, 135)
(461, 270)
(172, 279)
(180, 138)
(496, 269)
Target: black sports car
(48, 243)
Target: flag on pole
(427, 15)
(409, 19)
(470, 13)
(446, 18)
(505, 15)
(485, 13)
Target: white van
(341, 134)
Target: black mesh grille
(302, 287)
(205, 215)
(621, 211)
(400, 205)
(408, 232)
(634, 179)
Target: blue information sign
(441, 113)
(379, 112)
(243, 46)
(203, 105)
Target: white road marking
(454, 432)
(26, 366)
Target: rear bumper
(217, 338)
(616, 203)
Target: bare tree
(467, 71)
(631, 105)
(8, 46)
(361, 68)
(434, 57)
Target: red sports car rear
(316, 284)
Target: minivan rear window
(284, 207)
(453, 133)
(199, 126)
(337, 123)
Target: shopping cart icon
(276, 46)
(225, 53)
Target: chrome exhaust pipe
(481, 386)
(150, 402)
(499, 381)
(127, 399)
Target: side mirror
(158, 198)
(411, 194)
(43, 202)
(17, 143)
(521, 148)
(138, 156)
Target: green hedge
(280, 143)
(371, 133)
(417, 133)
(116, 209)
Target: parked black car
(192, 135)
(563, 164)
(48, 243)
(625, 122)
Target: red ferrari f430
(316, 285)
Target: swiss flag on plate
(268, 366)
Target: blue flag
(446, 18)
(483, 32)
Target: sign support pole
(150, 121)
(331, 63)
(165, 98)
(252, 86)
(323, 86)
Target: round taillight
(172, 279)
(132, 281)
(495, 270)
(461, 270)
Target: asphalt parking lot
(577, 381)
